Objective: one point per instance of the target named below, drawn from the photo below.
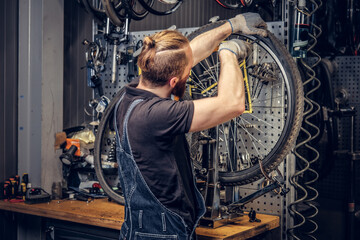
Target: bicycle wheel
(96, 9)
(162, 7)
(105, 131)
(233, 4)
(267, 131)
(95, 6)
(118, 10)
(139, 12)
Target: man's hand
(240, 48)
(249, 23)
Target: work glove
(240, 48)
(248, 23)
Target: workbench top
(103, 213)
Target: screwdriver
(23, 190)
(17, 184)
(25, 179)
(13, 187)
(7, 190)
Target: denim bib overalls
(146, 218)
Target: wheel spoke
(209, 72)
(198, 81)
(260, 106)
(250, 135)
(259, 119)
(251, 124)
(245, 148)
(227, 148)
(267, 99)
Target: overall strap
(124, 145)
(123, 150)
(124, 138)
(115, 113)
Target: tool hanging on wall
(95, 56)
(300, 35)
(305, 34)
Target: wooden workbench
(106, 214)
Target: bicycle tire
(98, 15)
(142, 14)
(97, 9)
(293, 121)
(117, 14)
(160, 13)
(231, 4)
(106, 119)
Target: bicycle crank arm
(278, 183)
(256, 194)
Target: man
(155, 168)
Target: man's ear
(173, 81)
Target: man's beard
(179, 89)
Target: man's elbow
(240, 106)
(237, 106)
(240, 109)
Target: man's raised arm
(230, 100)
(204, 44)
(248, 23)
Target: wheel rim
(170, 8)
(108, 176)
(96, 6)
(232, 4)
(252, 136)
(96, 9)
(117, 13)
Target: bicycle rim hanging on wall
(162, 7)
(96, 9)
(119, 10)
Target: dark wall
(8, 103)
(77, 27)
(8, 87)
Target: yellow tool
(246, 80)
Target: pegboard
(270, 203)
(346, 77)
(335, 184)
